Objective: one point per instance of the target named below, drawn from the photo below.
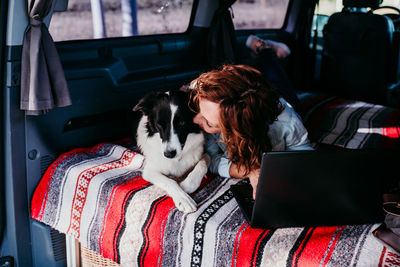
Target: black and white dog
(172, 145)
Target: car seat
(361, 54)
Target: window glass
(114, 19)
(326, 8)
(393, 3)
(259, 14)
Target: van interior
(343, 54)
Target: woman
(244, 117)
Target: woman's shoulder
(288, 121)
(288, 113)
(288, 131)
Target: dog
(172, 144)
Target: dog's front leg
(194, 178)
(182, 200)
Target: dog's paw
(190, 185)
(194, 178)
(185, 204)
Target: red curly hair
(248, 105)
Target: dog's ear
(146, 103)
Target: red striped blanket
(350, 124)
(98, 196)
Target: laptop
(318, 188)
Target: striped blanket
(98, 196)
(350, 124)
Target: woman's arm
(219, 161)
(223, 167)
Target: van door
(3, 20)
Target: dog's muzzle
(170, 154)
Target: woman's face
(208, 116)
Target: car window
(328, 7)
(259, 14)
(114, 19)
(325, 8)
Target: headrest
(362, 3)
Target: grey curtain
(43, 84)
(221, 45)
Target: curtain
(221, 46)
(43, 84)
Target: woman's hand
(253, 177)
(235, 171)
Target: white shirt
(286, 133)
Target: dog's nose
(170, 153)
